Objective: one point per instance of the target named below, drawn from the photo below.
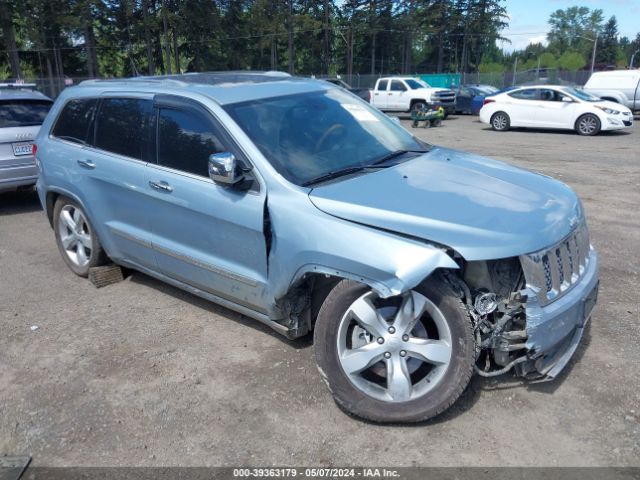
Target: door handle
(87, 164)
(161, 186)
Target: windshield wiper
(395, 154)
(335, 174)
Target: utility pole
(593, 58)
(515, 70)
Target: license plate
(20, 149)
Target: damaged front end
(530, 312)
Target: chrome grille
(552, 272)
(445, 96)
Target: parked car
(620, 86)
(478, 102)
(554, 107)
(405, 94)
(466, 95)
(22, 111)
(363, 93)
(298, 205)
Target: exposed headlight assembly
(608, 110)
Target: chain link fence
(53, 86)
(498, 79)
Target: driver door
(397, 96)
(205, 235)
(553, 112)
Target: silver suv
(297, 204)
(22, 111)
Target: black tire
(500, 122)
(417, 106)
(588, 125)
(454, 381)
(96, 256)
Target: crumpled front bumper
(555, 330)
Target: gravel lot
(140, 373)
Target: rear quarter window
(75, 121)
(23, 113)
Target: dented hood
(482, 208)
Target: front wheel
(418, 107)
(401, 359)
(588, 124)
(76, 239)
(500, 122)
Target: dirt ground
(140, 373)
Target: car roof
(223, 87)
(12, 91)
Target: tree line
(108, 38)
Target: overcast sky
(529, 18)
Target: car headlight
(608, 110)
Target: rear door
(117, 174)
(20, 120)
(206, 235)
(522, 107)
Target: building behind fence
(53, 86)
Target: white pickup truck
(404, 94)
(621, 86)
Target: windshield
(581, 94)
(413, 84)
(23, 113)
(310, 135)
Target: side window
(397, 86)
(121, 125)
(186, 138)
(382, 84)
(74, 122)
(527, 94)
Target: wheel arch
(312, 284)
(52, 196)
(417, 100)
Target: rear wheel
(588, 124)
(76, 238)
(500, 122)
(401, 359)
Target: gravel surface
(140, 373)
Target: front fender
(320, 243)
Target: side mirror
(567, 99)
(224, 169)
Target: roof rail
(205, 78)
(18, 86)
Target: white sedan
(554, 107)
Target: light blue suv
(295, 203)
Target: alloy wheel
(500, 122)
(587, 125)
(394, 350)
(75, 235)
